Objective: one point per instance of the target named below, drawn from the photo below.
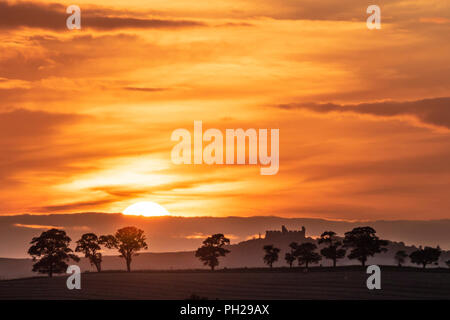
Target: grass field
(318, 283)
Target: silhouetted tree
(364, 244)
(89, 244)
(128, 241)
(212, 249)
(333, 250)
(50, 251)
(425, 256)
(400, 257)
(290, 258)
(271, 254)
(306, 254)
(447, 263)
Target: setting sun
(146, 209)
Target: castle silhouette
(285, 233)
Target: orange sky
(364, 115)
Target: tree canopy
(51, 252)
(305, 253)
(363, 243)
(333, 249)
(128, 241)
(212, 249)
(425, 256)
(271, 255)
(89, 244)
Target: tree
(425, 256)
(333, 250)
(271, 254)
(89, 244)
(51, 251)
(306, 254)
(128, 241)
(400, 257)
(447, 263)
(212, 249)
(290, 258)
(364, 244)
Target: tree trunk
(363, 263)
(50, 273)
(99, 267)
(424, 265)
(128, 265)
(306, 265)
(334, 263)
(212, 267)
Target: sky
(86, 116)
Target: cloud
(200, 235)
(145, 89)
(68, 207)
(124, 192)
(435, 20)
(36, 226)
(436, 163)
(32, 123)
(52, 16)
(29, 132)
(435, 112)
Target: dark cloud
(53, 16)
(125, 192)
(73, 205)
(434, 111)
(31, 123)
(109, 23)
(145, 89)
(346, 10)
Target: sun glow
(146, 209)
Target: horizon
(221, 217)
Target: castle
(285, 233)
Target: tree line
(360, 243)
(51, 252)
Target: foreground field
(237, 284)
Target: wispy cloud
(52, 16)
(434, 111)
(36, 226)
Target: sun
(146, 209)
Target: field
(318, 283)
